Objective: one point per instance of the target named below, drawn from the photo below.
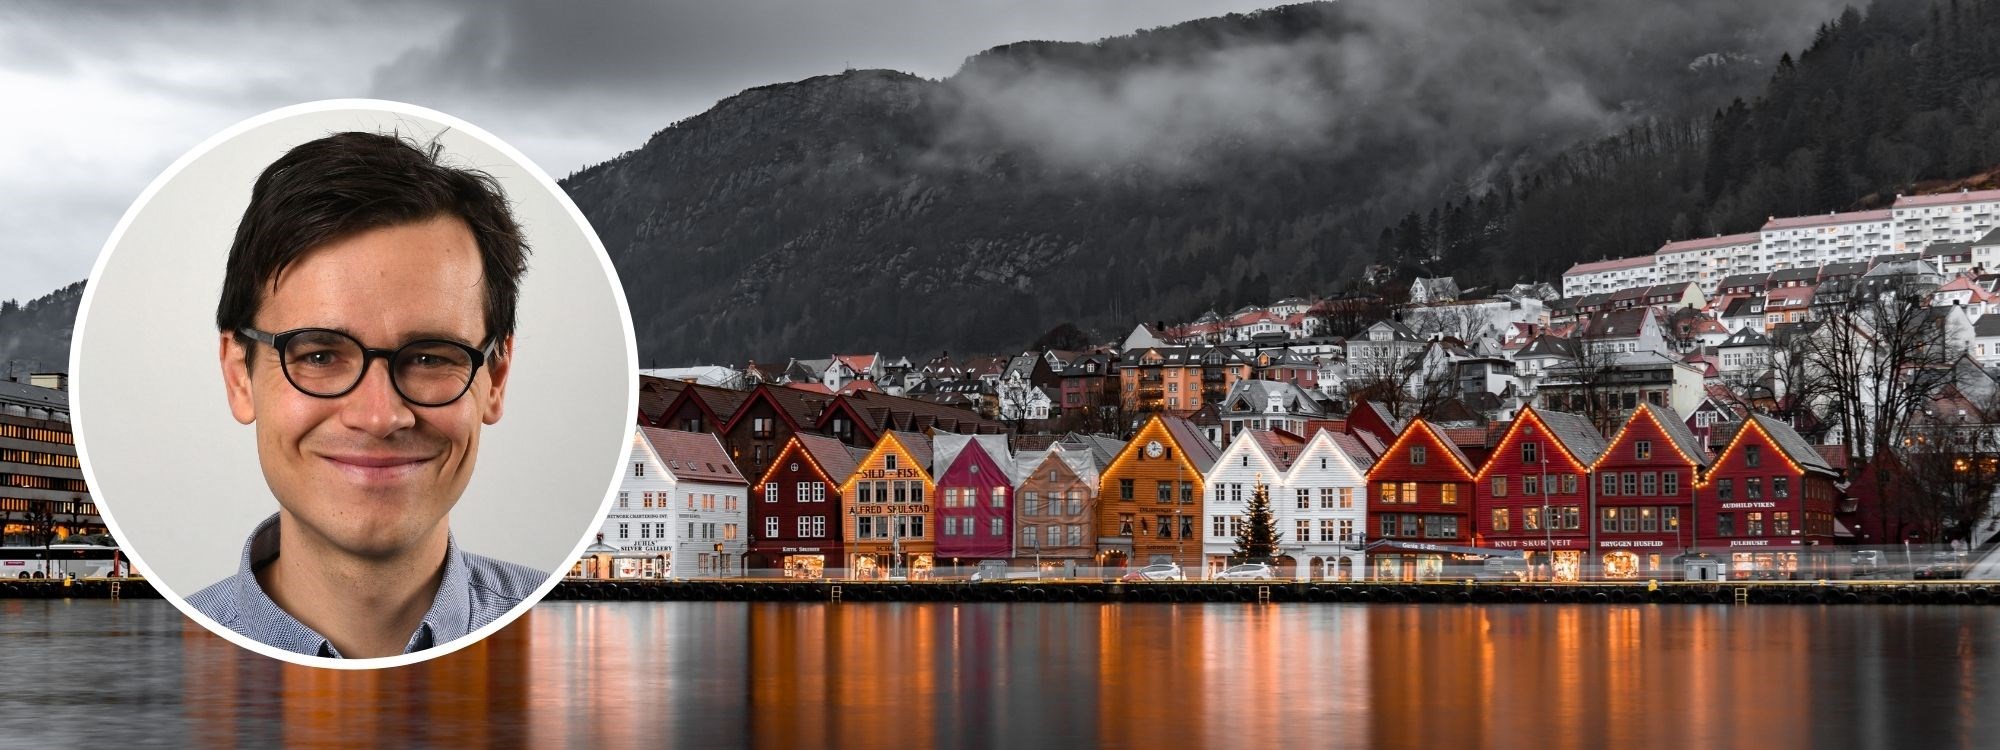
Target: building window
(1609, 482)
(1528, 452)
(1781, 523)
(771, 527)
(638, 469)
(1751, 455)
(1649, 483)
(1346, 497)
(1670, 519)
(1753, 488)
(1531, 485)
(1781, 487)
(864, 527)
(1531, 519)
(1125, 490)
(1417, 454)
(1500, 519)
(1725, 489)
(1346, 530)
(1608, 523)
(1410, 492)
(1499, 486)
(1670, 483)
(1725, 524)
(1642, 449)
(1753, 523)
(1388, 492)
(1631, 483)
(1388, 526)
(804, 526)
(1216, 525)
(624, 531)
(1302, 531)
(1187, 493)
(1648, 522)
(999, 497)
(996, 527)
(625, 499)
(1124, 524)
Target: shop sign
(644, 545)
(1632, 543)
(887, 474)
(1732, 506)
(892, 509)
(798, 549)
(1524, 543)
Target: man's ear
(496, 379)
(236, 380)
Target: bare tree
(1943, 478)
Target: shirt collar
(449, 616)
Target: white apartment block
(1911, 224)
(1963, 216)
(1605, 276)
(1703, 262)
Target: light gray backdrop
(178, 478)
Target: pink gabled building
(975, 496)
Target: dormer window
(889, 462)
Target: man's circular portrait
(351, 382)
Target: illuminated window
(1410, 492)
(1499, 486)
(1670, 519)
(1753, 523)
(1346, 497)
(1500, 519)
(1642, 449)
(1388, 492)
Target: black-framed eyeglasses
(327, 363)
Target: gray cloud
(106, 95)
(1454, 77)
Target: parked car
(1166, 572)
(1246, 572)
(1942, 565)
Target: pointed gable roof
(1280, 448)
(1420, 426)
(946, 449)
(831, 455)
(915, 444)
(1188, 438)
(654, 396)
(1787, 439)
(693, 456)
(1357, 453)
(799, 409)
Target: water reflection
(989, 675)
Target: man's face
(368, 472)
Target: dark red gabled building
(1534, 491)
(700, 408)
(1419, 496)
(1768, 503)
(795, 516)
(1647, 483)
(860, 418)
(769, 417)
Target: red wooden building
(795, 508)
(1419, 496)
(1646, 484)
(1769, 501)
(1533, 492)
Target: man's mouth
(372, 468)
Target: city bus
(62, 560)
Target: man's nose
(374, 406)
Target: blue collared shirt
(475, 591)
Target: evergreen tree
(1258, 540)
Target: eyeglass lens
(327, 363)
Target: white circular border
(528, 166)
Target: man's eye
(321, 358)
(431, 360)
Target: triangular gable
(1679, 435)
(1343, 448)
(766, 393)
(1419, 427)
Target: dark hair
(332, 188)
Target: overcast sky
(101, 99)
